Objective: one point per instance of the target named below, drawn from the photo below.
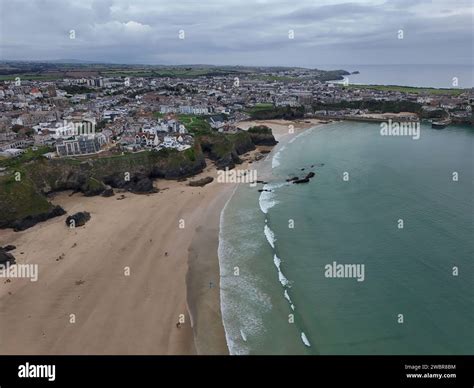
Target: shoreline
(203, 281)
(281, 132)
(81, 272)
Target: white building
(12, 152)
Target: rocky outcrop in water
(302, 180)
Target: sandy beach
(82, 272)
(282, 128)
(121, 283)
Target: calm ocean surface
(437, 76)
(275, 297)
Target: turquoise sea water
(274, 294)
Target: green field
(28, 156)
(173, 72)
(259, 107)
(277, 78)
(195, 123)
(31, 77)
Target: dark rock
(262, 135)
(304, 180)
(6, 257)
(116, 180)
(243, 146)
(138, 183)
(201, 182)
(8, 248)
(30, 221)
(295, 178)
(142, 185)
(108, 192)
(79, 218)
(227, 161)
(93, 187)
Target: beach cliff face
(225, 150)
(23, 201)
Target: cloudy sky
(246, 32)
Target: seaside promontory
(26, 186)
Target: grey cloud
(238, 31)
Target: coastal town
(99, 115)
(250, 178)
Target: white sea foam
(267, 198)
(287, 297)
(276, 160)
(305, 340)
(276, 157)
(304, 133)
(269, 235)
(283, 280)
(242, 334)
(242, 321)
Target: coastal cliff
(23, 201)
(24, 189)
(224, 150)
